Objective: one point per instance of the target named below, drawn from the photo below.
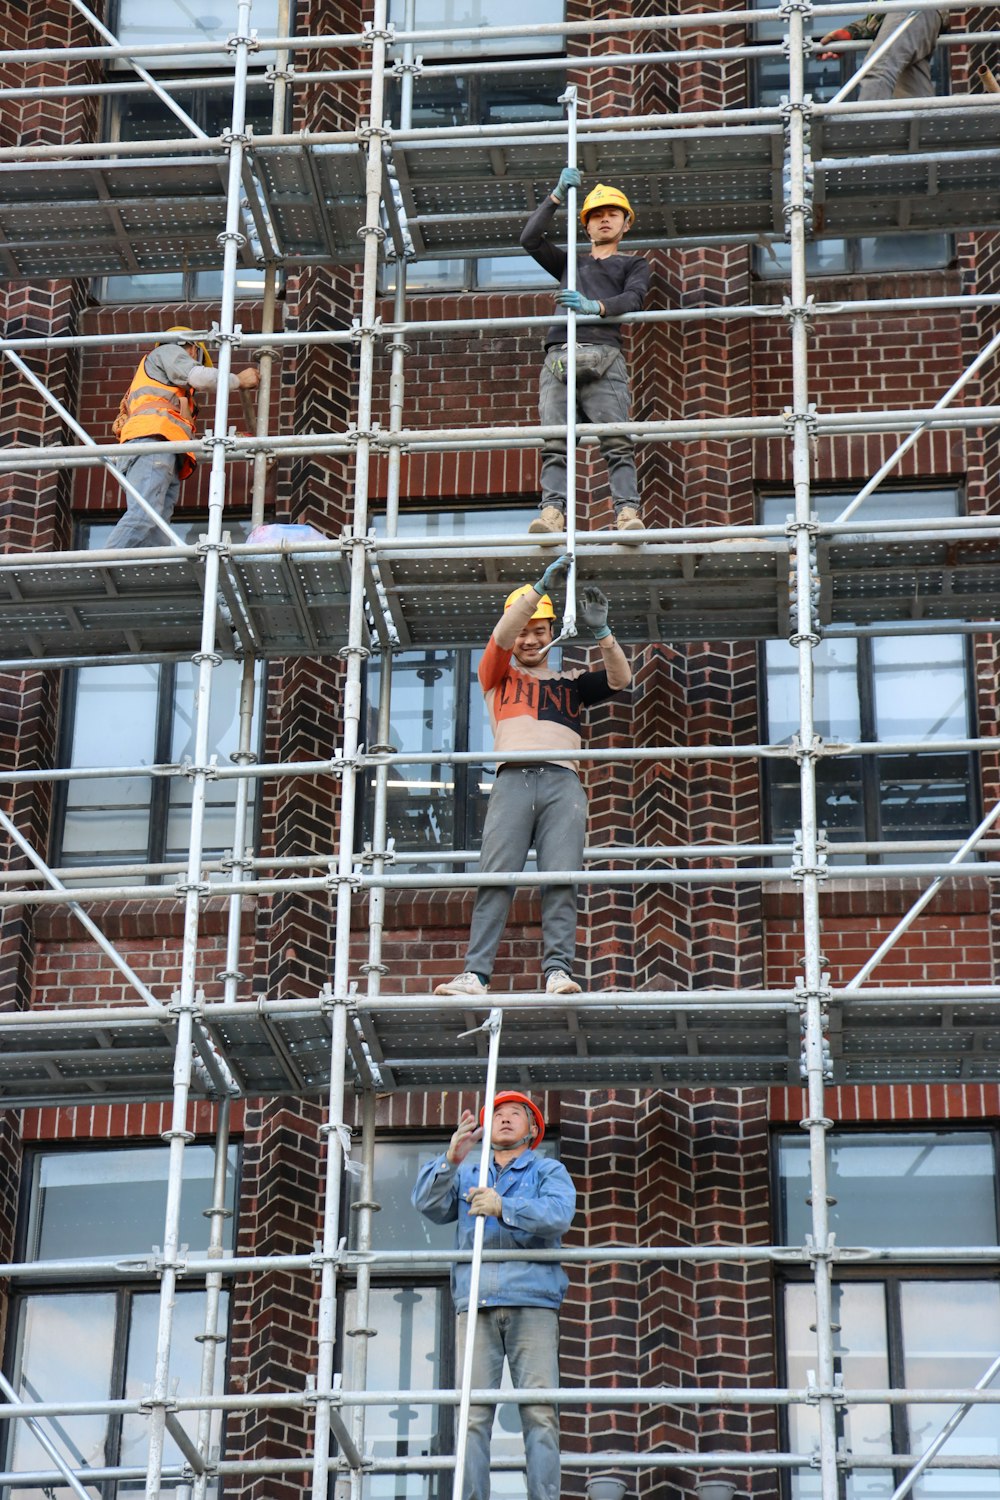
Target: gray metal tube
(209, 1431)
(42, 1437)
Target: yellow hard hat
(544, 610)
(206, 358)
(603, 195)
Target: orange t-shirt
(535, 708)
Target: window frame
(891, 1277)
(159, 805)
(864, 678)
(116, 1283)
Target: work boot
(465, 984)
(627, 519)
(549, 519)
(559, 982)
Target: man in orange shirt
(161, 405)
(533, 708)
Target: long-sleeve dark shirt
(621, 282)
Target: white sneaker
(465, 984)
(560, 983)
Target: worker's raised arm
(533, 237)
(594, 614)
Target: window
(865, 690)
(495, 272)
(918, 1327)
(96, 1340)
(139, 22)
(415, 1347)
(137, 818)
(875, 254)
(437, 705)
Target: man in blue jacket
(528, 1204)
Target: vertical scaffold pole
(569, 615)
(355, 652)
(361, 1330)
(212, 1337)
(805, 640)
(206, 660)
(493, 1025)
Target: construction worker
(608, 285)
(533, 708)
(904, 69)
(161, 405)
(528, 1204)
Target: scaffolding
(801, 170)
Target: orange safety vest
(152, 409)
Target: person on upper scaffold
(904, 69)
(608, 286)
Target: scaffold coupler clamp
(492, 1023)
(401, 68)
(370, 34)
(251, 41)
(806, 311)
(361, 330)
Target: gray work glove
(594, 611)
(553, 574)
(569, 177)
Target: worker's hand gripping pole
(492, 1024)
(872, 58)
(569, 614)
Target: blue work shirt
(539, 1201)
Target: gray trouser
(529, 1337)
(605, 399)
(904, 69)
(155, 476)
(544, 806)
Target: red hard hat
(511, 1096)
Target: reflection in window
(144, 23)
(907, 689)
(909, 1187)
(141, 818)
(449, 15)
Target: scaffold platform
(291, 604)
(622, 1039)
(132, 215)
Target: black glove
(594, 611)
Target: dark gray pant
(904, 69)
(544, 806)
(605, 399)
(156, 478)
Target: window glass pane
(925, 797)
(414, 1341)
(907, 1188)
(951, 1334)
(223, 740)
(861, 1359)
(835, 706)
(177, 21)
(904, 252)
(249, 283)
(450, 14)
(156, 286)
(939, 710)
(421, 797)
(185, 1377)
(110, 816)
(427, 275)
(398, 1226)
(89, 1204)
(511, 270)
(66, 1347)
(823, 258)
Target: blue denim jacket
(539, 1201)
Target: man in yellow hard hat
(532, 707)
(609, 285)
(161, 405)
